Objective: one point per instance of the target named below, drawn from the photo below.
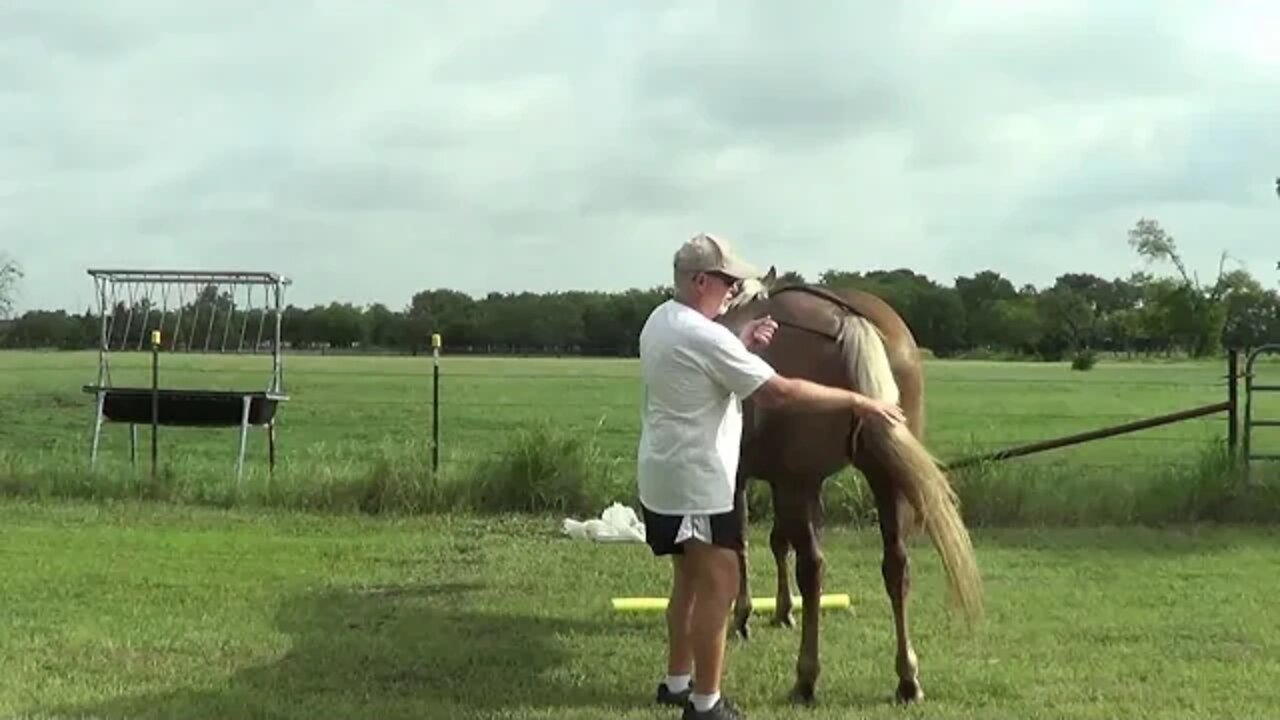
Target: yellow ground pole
(834, 601)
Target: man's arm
(748, 376)
(728, 360)
(781, 391)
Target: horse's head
(750, 301)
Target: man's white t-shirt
(695, 373)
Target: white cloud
(539, 139)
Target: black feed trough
(187, 408)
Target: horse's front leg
(803, 531)
(742, 606)
(781, 547)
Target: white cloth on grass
(618, 523)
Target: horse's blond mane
(752, 291)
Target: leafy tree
(1193, 316)
(1069, 318)
(1252, 313)
(791, 277)
(1079, 313)
(982, 296)
(10, 274)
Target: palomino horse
(853, 340)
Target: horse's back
(795, 443)
(815, 310)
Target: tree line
(983, 314)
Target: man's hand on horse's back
(882, 410)
(758, 333)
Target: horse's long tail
(913, 469)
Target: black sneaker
(722, 710)
(678, 699)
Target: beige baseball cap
(707, 253)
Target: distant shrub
(1084, 360)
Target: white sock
(703, 703)
(678, 683)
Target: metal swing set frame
(204, 408)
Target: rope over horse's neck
(819, 292)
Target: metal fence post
(155, 397)
(1233, 398)
(435, 402)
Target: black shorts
(661, 531)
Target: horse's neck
(737, 318)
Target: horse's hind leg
(896, 570)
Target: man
(695, 374)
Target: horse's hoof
(786, 620)
(909, 692)
(802, 694)
(742, 630)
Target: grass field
(160, 611)
(356, 434)
(120, 608)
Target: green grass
(559, 434)
(405, 608)
(153, 611)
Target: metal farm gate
(1229, 406)
(1250, 422)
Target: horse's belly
(786, 446)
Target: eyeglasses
(733, 282)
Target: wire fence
(347, 406)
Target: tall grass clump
(1039, 491)
(540, 468)
(543, 468)
(389, 477)
(1023, 491)
(563, 470)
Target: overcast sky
(544, 137)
